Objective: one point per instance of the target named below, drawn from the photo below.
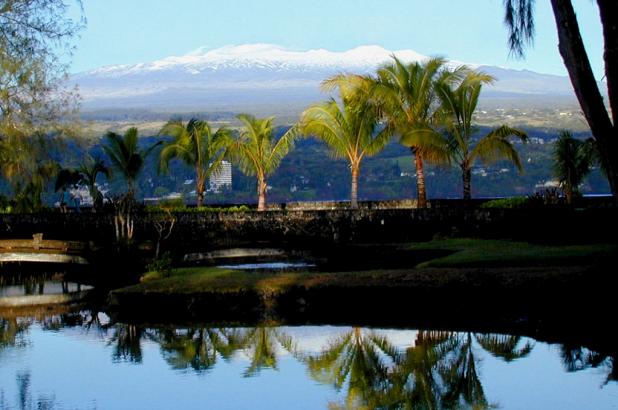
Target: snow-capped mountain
(235, 76)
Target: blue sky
(132, 31)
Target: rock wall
(194, 231)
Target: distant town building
(221, 179)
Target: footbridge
(39, 250)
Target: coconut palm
(262, 344)
(256, 151)
(410, 104)
(458, 105)
(197, 146)
(351, 130)
(126, 157)
(67, 179)
(573, 160)
(416, 380)
(198, 348)
(89, 171)
(361, 360)
(505, 347)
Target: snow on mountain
(263, 74)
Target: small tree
(257, 153)
(458, 106)
(197, 146)
(126, 157)
(573, 160)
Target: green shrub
(508, 203)
(161, 265)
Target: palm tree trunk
(261, 193)
(576, 61)
(568, 192)
(467, 182)
(199, 189)
(354, 188)
(420, 179)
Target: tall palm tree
(410, 105)
(89, 171)
(197, 146)
(573, 160)
(458, 105)
(351, 130)
(256, 151)
(126, 157)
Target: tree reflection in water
(576, 358)
(362, 359)
(439, 369)
(198, 349)
(12, 332)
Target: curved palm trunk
(467, 182)
(576, 61)
(354, 188)
(420, 179)
(261, 188)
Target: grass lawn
(500, 253)
(469, 257)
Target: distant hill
(268, 78)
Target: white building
(221, 179)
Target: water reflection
(365, 368)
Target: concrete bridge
(41, 250)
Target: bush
(508, 203)
(161, 266)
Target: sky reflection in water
(72, 361)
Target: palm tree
(410, 105)
(89, 171)
(505, 347)
(458, 105)
(257, 153)
(350, 130)
(197, 146)
(572, 162)
(126, 157)
(360, 360)
(601, 113)
(65, 180)
(198, 348)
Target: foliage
(28, 167)
(459, 105)
(573, 160)
(181, 207)
(126, 157)
(257, 153)
(408, 100)
(32, 34)
(197, 146)
(508, 203)
(162, 266)
(351, 130)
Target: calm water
(84, 361)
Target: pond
(84, 360)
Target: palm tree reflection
(262, 344)
(362, 359)
(198, 348)
(576, 358)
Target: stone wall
(203, 231)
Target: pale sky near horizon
(471, 31)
